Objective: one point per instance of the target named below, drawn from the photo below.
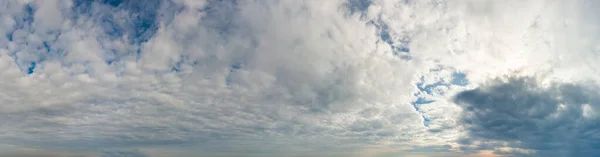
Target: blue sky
(351, 78)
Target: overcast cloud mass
(299, 78)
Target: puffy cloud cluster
(220, 75)
(259, 78)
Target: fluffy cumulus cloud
(298, 78)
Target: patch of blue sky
(47, 46)
(22, 21)
(114, 3)
(458, 79)
(429, 88)
(358, 6)
(384, 34)
(221, 17)
(400, 46)
(234, 67)
(138, 24)
(81, 8)
(426, 121)
(142, 22)
(111, 56)
(111, 28)
(362, 6)
(26, 65)
(31, 68)
(422, 100)
(178, 64)
(27, 18)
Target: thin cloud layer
(260, 78)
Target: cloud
(18, 151)
(518, 112)
(234, 76)
(229, 77)
(123, 154)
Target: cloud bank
(558, 120)
(307, 78)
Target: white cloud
(301, 74)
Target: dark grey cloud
(558, 120)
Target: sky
(299, 78)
